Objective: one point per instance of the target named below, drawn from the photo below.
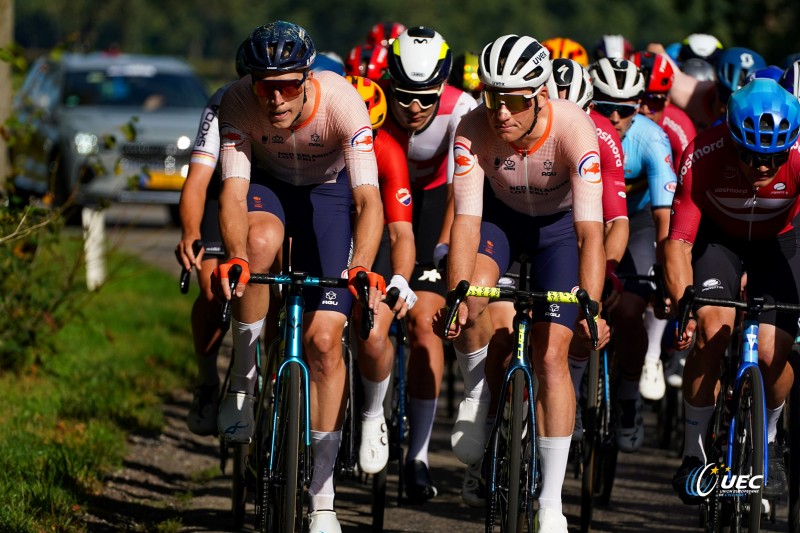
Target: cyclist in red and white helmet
(368, 61)
(613, 46)
(519, 141)
(383, 33)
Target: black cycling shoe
(679, 480)
(418, 483)
(776, 475)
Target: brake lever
(186, 274)
(454, 299)
(233, 280)
(363, 289)
(590, 309)
(686, 302)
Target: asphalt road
(642, 500)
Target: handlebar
(186, 274)
(303, 279)
(464, 289)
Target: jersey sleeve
(393, 179)
(611, 164)
(657, 159)
(206, 143)
(468, 174)
(235, 150)
(582, 153)
(685, 218)
(350, 121)
(464, 105)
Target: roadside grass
(63, 422)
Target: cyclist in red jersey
(296, 156)
(658, 75)
(394, 261)
(527, 180)
(736, 208)
(423, 114)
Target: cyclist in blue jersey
(650, 183)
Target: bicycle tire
(379, 499)
(512, 513)
(794, 446)
(285, 487)
(748, 447)
(591, 441)
(239, 484)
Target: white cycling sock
(243, 369)
(374, 393)
(421, 414)
(324, 447)
(553, 458)
(472, 370)
(772, 422)
(695, 424)
(655, 332)
(576, 369)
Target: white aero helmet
(515, 62)
(419, 58)
(617, 78)
(570, 75)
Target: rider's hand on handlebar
(455, 328)
(603, 333)
(377, 286)
(186, 254)
(219, 278)
(616, 288)
(684, 339)
(406, 299)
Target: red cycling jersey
(711, 185)
(393, 178)
(611, 165)
(680, 131)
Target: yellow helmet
(374, 98)
(562, 47)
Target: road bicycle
(278, 459)
(737, 434)
(792, 423)
(510, 458)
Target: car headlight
(85, 143)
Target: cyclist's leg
(264, 239)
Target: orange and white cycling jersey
(561, 172)
(337, 135)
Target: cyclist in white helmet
(538, 163)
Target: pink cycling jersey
(561, 172)
(711, 185)
(338, 134)
(612, 161)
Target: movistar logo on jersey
(705, 479)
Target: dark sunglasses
(289, 89)
(754, 160)
(424, 99)
(607, 108)
(655, 102)
(514, 102)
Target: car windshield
(141, 87)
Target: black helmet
(279, 46)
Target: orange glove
(221, 272)
(375, 280)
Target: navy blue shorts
(317, 218)
(551, 247)
(640, 255)
(209, 231)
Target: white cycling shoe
(550, 521)
(235, 418)
(323, 522)
(373, 453)
(651, 383)
(468, 438)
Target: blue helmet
(763, 117)
(673, 50)
(771, 72)
(279, 47)
(790, 80)
(329, 61)
(733, 66)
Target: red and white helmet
(657, 71)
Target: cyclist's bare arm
(367, 232)
(233, 222)
(616, 239)
(679, 275)
(193, 199)
(449, 214)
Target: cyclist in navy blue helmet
(790, 80)
(735, 210)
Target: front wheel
(239, 485)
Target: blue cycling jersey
(649, 177)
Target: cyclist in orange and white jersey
(527, 179)
(297, 153)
